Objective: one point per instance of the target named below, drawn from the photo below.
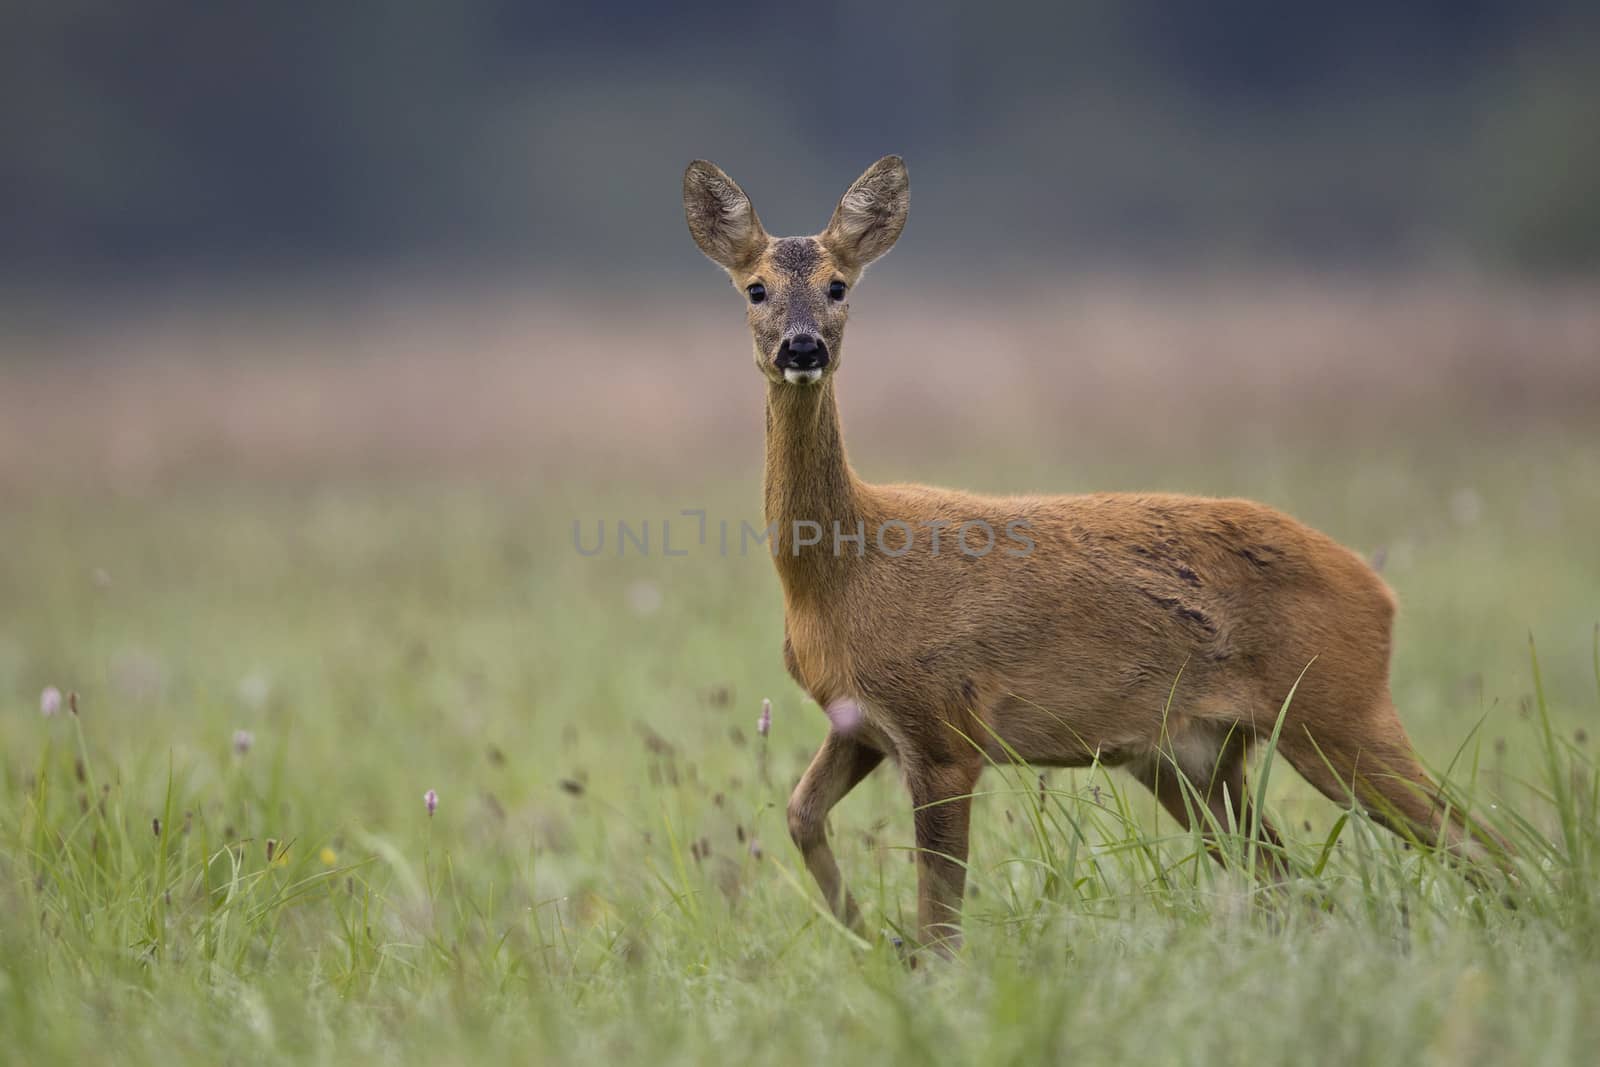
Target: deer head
(797, 288)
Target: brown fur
(1064, 654)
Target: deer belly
(1054, 739)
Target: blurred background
(315, 237)
(184, 138)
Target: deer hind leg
(1202, 773)
(838, 767)
(1368, 759)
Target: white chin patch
(800, 377)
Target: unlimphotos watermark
(890, 537)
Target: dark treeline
(186, 137)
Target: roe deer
(1058, 646)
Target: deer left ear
(722, 220)
(871, 214)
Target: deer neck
(809, 480)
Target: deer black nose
(802, 352)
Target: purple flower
(431, 799)
(242, 740)
(764, 724)
(845, 715)
(49, 701)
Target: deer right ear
(722, 220)
(871, 214)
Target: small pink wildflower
(50, 701)
(431, 799)
(242, 741)
(764, 724)
(845, 715)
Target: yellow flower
(329, 857)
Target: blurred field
(343, 523)
(545, 383)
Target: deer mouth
(802, 358)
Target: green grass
(608, 878)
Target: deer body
(1149, 584)
(1161, 633)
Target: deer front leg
(942, 795)
(835, 770)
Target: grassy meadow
(278, 641)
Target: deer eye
(836, 290)
(758, 293)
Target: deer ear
(722, 220)
(871, 214)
